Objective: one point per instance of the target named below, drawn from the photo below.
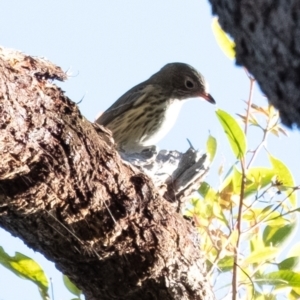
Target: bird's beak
(208, 97)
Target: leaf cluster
(27, 268)
(246, 222)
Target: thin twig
(255, 152)
(242, 195)
(238, 227)
(262, 143)
(52, 290)
(266, 131)
(249, 102)
(265, 219)
(249, 277)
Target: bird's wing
(133, 97)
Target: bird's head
(183, 81)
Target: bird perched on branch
(144, 114)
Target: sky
(107, 47)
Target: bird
(141, 117)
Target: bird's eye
(189, 84)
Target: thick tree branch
(66, 193)
(267, 37)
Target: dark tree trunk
(267, 37)
(66, 193)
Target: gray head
(183, 81)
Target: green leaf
(71, 286)
(226, 263)
(266, 215)
(285, 177)
(219, 214)
(225, 43)
(235, 134)
(265, 296)
(294, 294)
(289, 263)
(274, 236)
(261, 255)
(255, 242)
(258, 178)
(283, 278)
(236, 180)
(230, 188)
(211, 147)
(26, 268)
(204, 189)
(207, 192)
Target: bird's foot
(149, 152)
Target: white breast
(168, 118)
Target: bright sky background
(110, 46)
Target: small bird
(144, 114)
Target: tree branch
(65, 191)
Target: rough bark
(267, 37)
(66, 193)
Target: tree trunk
(267, 37)
(66, 193)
